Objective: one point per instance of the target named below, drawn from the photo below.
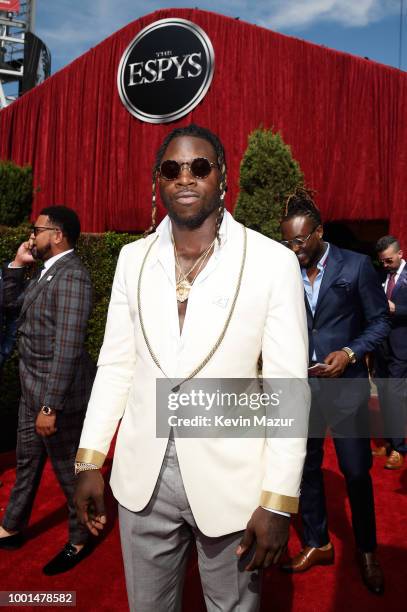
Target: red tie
(391, 283)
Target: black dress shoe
(371, 571)
(12, 542)
(66, 559)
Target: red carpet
(99, 583)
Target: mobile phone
(317, 369)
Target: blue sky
(363, 27)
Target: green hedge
(268, 174)
(99, 253)
(16, 193)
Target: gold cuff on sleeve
(87, 455)
(275, 501)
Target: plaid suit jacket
(55, 369)
(7, 328)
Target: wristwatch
(47, 410)
(351, 354)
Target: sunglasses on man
(200, 168)
(388, 260)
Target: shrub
(268, 174)
(99, 253)
(16, 193)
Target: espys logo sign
(166, 70)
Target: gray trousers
(155, 544)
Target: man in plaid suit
(7, 333)
(7, 329)
(55, 371)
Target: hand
(392, 306)
(23, 256)
(337, 362)
(270, 531)
(89, 502)
(45, 424)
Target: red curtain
(342, 116)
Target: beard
(194, 221)
(41, 254)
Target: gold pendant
(182, 290)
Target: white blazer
(225, 479)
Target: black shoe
(12, 542)
(372, 574)
(66, 559)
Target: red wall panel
(343, 116)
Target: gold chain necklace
(221, 335)
(182, 285)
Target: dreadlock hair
(300, 203)
(197, 132)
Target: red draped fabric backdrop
(344, 118)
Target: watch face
(46, 410)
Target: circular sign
(166, 70)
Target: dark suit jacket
(7, 327)
(55, 369)
(398, 334)
(351, 311)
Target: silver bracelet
(84, 467)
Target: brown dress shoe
(395, 461)
(308, 557)
(372, 574)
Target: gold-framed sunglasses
(199, 167)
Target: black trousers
(355, 460)
(32, 452)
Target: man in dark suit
(347, 317)
(7, 328)
(55, 371)
(7, 332)
(391, 356)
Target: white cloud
(71, 27)
(353, 13)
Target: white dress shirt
(397, 275)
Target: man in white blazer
(204, 297)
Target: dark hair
(66, 219)
(195, 131)
(301, 204)
(385, 241)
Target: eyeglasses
(388, 260)
(37, 229)
(200, 168)
(298, 241)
